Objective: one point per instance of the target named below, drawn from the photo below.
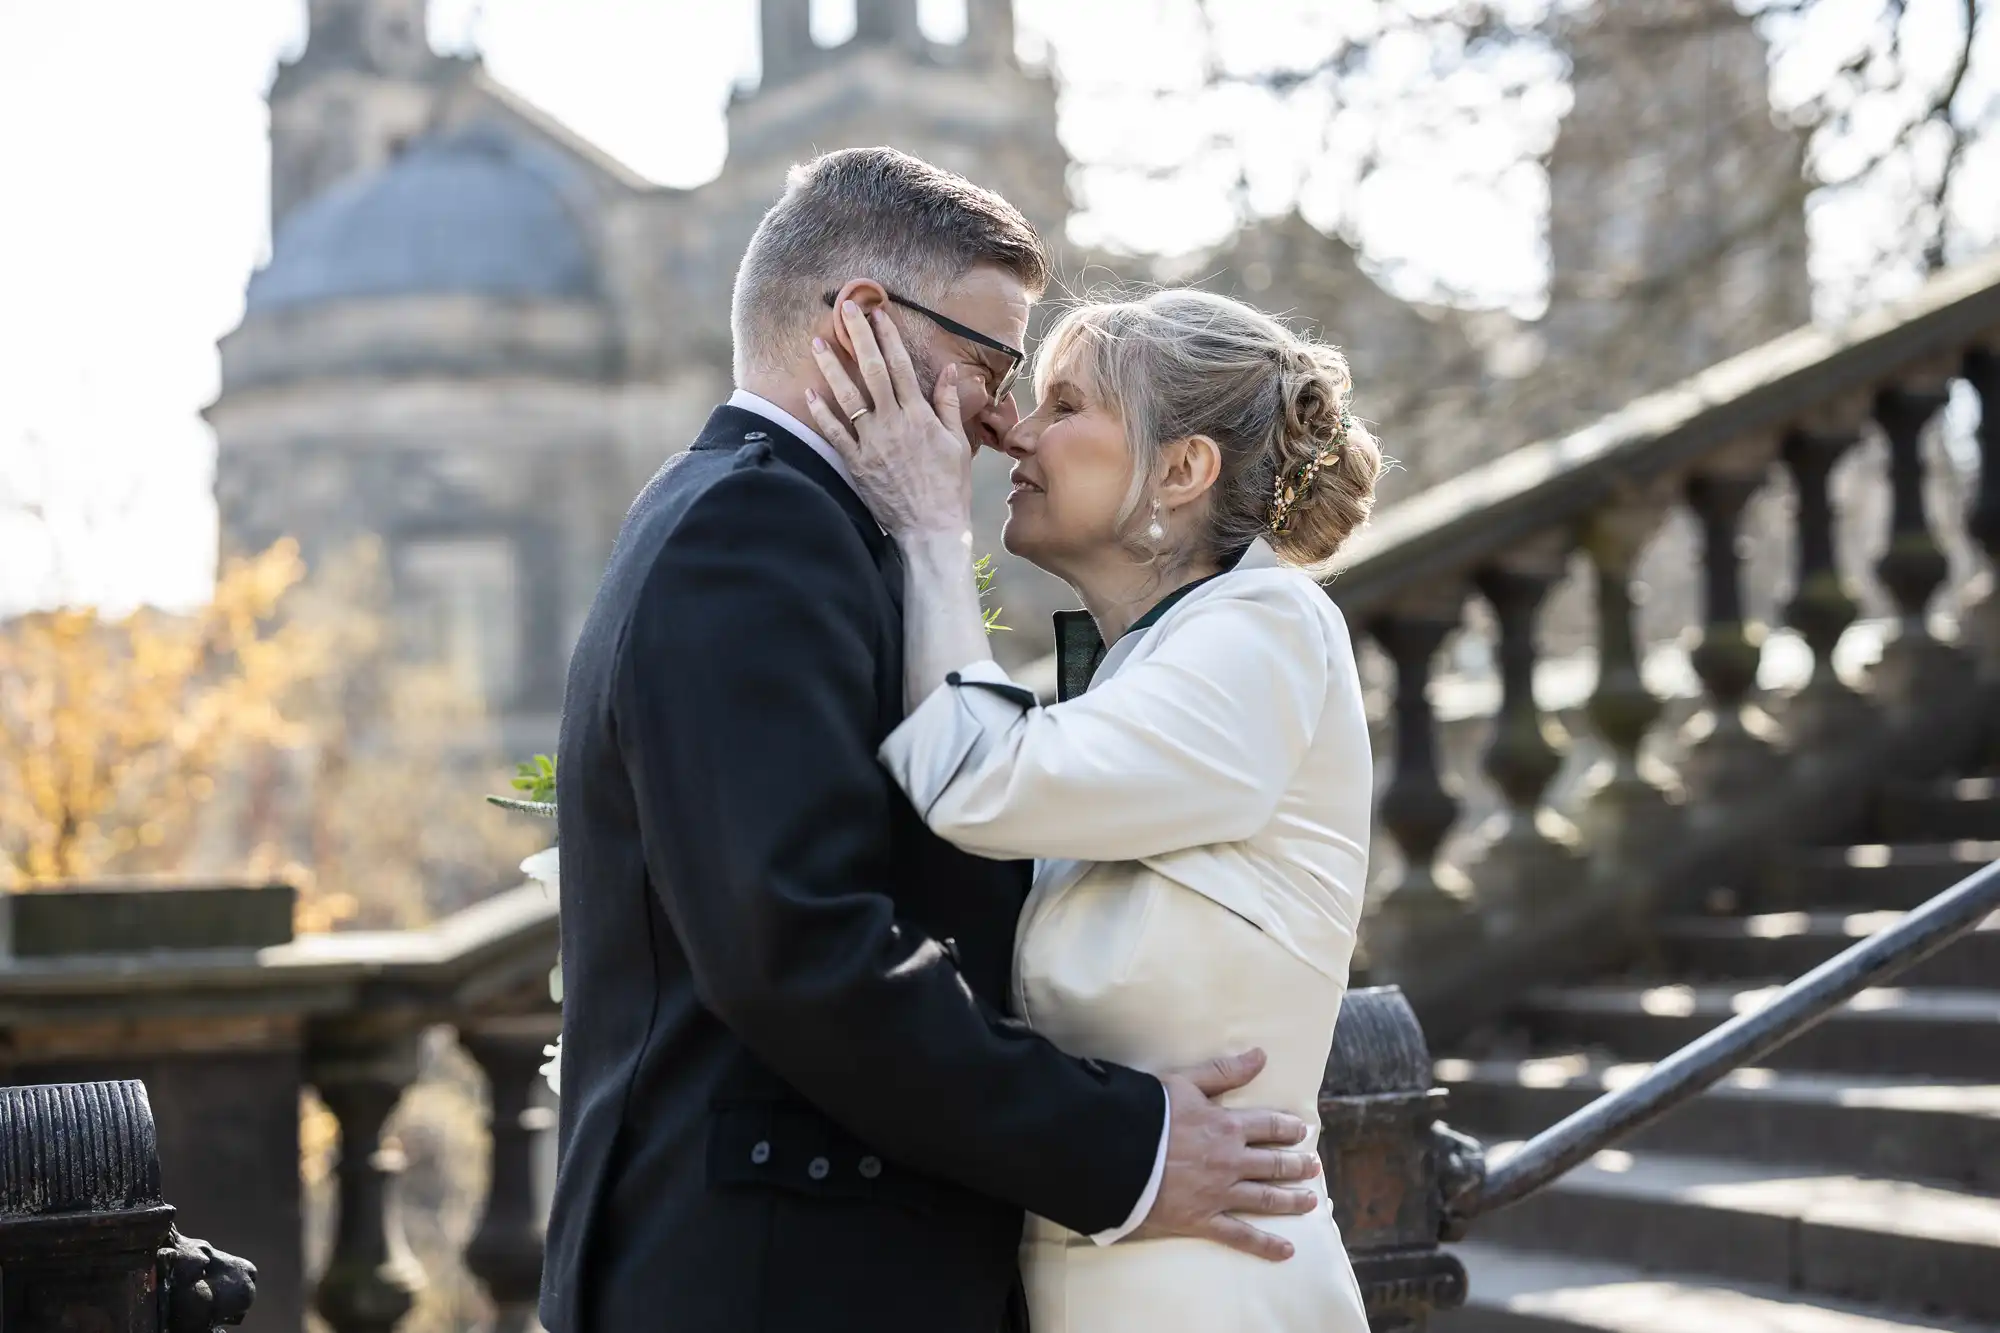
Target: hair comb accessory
(1287, 492)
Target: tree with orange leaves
(275, 732)
(117, 730)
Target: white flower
(543, 866)
(552, 1071)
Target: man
(792, 1096)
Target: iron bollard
(87, 1245)
(1390, 1163)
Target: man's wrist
(1151, 1194)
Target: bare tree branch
(1960, 137)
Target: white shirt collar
(1259, 555)
(778, 416)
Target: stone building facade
(478, 333)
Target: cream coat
(1200, 817)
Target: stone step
(1945, 1034)
(1955, 808)
(1891, 1243)
(1514, 1291)
(1790, 944)
(1946, 1132)
(1869, 876)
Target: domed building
(477, 334)
(430, 358)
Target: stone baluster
(1982, 370)
(1821, 607)
(505, 1254)
(1530, 850)
(371, 1278)
(1428, 906)
(1730, 751)
(1915, 666)
(1626, 814)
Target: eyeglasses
(1015, 356)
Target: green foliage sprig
(983, 575)
(535, 779)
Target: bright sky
(133, 140)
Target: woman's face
(1072, 469)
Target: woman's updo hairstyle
(1298, 469)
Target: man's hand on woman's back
(1222, 1162)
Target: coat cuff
(1151, 1194)
(959, 720)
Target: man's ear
(867, 293)
(1192, 466)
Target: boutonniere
(535, 780)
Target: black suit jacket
(792, 1098)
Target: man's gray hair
(868, 213)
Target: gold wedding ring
(855, 416)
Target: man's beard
(924, 361)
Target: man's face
(994, 302)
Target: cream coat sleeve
(1192, 745)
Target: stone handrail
(491, 949)
(1451, 528)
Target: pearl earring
(1155, 532)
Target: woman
(1200, 815)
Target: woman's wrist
(943, 627)
(941, 550)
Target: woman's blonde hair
(1182, 362)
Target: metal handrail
(1744, 1038)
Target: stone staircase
(1851, 1185)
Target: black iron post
(87, 1245)
(1390, 1164)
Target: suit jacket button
(818, 1167)
(761, 1153)
(870, 1167)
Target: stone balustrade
(1545, 894)
(226, 1030)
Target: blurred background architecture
(478, 333)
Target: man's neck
(779, 391)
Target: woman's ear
(1193, 466)
(867, 293)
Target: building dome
(473, 212)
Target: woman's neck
(1119, 592)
